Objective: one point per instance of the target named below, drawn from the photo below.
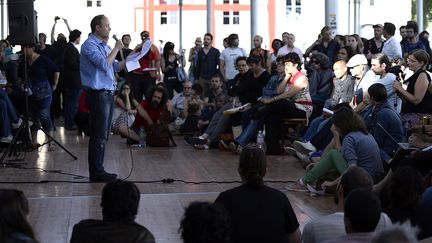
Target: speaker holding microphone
(22, 22)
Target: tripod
(25, 123)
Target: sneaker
(201, 146)
(7, 139)
(235, 147)
(196, 141)
(296, 186)
(304, 148)
(303, 157)
(225, 143)
(16, 125)
(290, 151)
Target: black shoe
(196, 141)
(105, 177)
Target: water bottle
(261, 141)
(142, 137)
(407, 126)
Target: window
(236, 1)
(162, 1)
(226, 18)
(164, 18)
(99, 3)
(226, 1)
(89, 3)
(236, 17)
(172, 17)
(293, 5)
(372, 2)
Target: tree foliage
(427, 12)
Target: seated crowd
(367, 140)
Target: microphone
(115, 37)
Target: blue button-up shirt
(95, 71)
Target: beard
(154, 105)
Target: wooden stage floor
(56, 206)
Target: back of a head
(390, 28)
(405, 188)
(252, 166)
(120, 200)
(378, 92)
(363, 211)
(14, 209)
(205, 222)
(348, 121)
(355, 178)
(397, 233)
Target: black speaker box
(22, 22)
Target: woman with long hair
(357, 148)
(124, 110)
(169, 63)
(14, 226)
(417, 98)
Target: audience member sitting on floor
(404, 193)
(177, 101)
(216, 89)
(332, 226)
(400, 233)
(190, 125)
(124, 111)
(358, 148)
(120, 201)
(362, 210)
(383, 122)
(14, 225)
(417, 96)
(258, 213)
(208, 112)
(148, 113)
(205, 222)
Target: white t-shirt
(229, 56)
(388, 81)
(332, 226)
(285, 50)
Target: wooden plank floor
(56, 206)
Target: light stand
(25, 125)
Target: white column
(181, 27)
(357, 17)
(420, 15)
(254, 19)
(209, 16)
(331, 15)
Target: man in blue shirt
(97, 66)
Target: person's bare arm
(143, 113)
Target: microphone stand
(26, 127)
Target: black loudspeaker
(22, 22)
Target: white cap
(356, 60)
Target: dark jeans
(101, 105)
(140, 84)
(71, 106)
(273, 115)
(172, 83)
(41, 113)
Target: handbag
(159, 135)
(181, 74)
(40, 90)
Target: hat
(73, 35)
(356, 60)
(198, 40)
(377, 26)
